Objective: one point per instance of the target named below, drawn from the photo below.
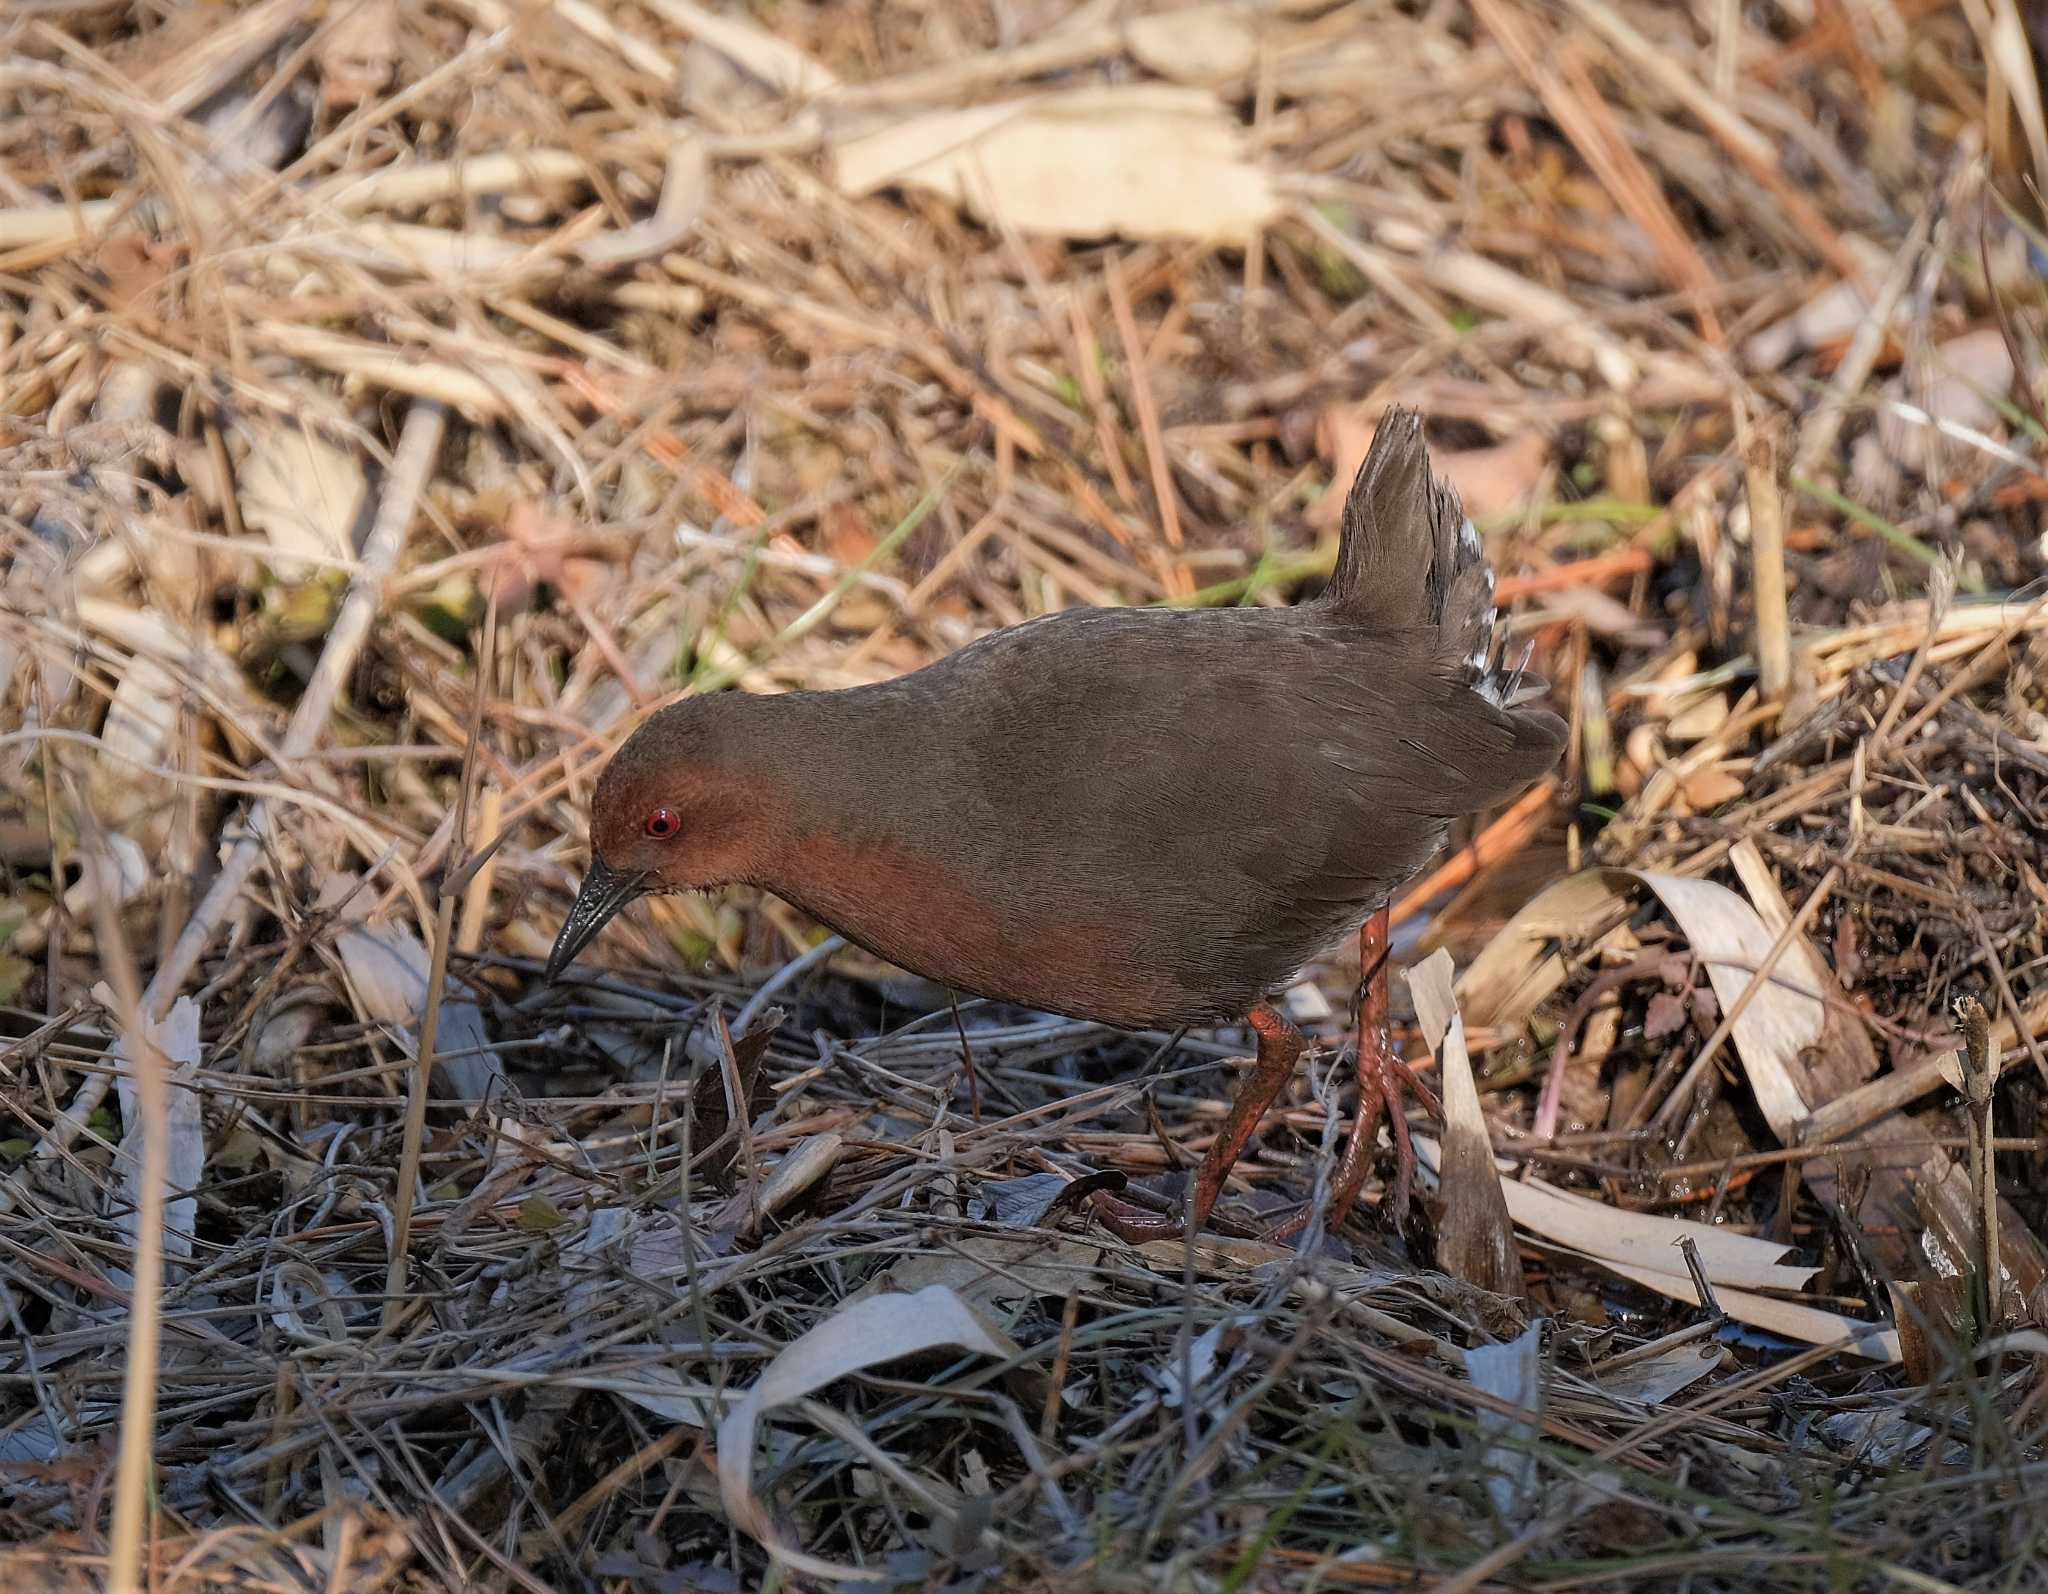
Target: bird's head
(670, 814)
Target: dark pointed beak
(604, 892)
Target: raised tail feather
(1409, 559)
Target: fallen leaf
(357, 53)
(1699, 719)
(1848, 958)
(848, 534)
(1878, 1438)
(1003, 1275)
(1021, 1202)
(1603, 615)
(1203, 44)
(780, 65)
(1966, 378)
(1706, 789)
(1782, 1019)
(1142, 160)
(305, 494)
(1513, 1373)
(1643, 1246)
(814, 1157)
(685, 191)
(1475, 1237)
(1665, 1016)
(536, 550)
(142, 718)
(387, 966)
(1656, 1379)
(134, 268)
(667, 1393)
(122, 863)
(1831, 314)
(1520, 968)
(176, 1040)
(869, 1333)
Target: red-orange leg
(1280, 1048)
(1383, 1082)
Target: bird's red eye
(663, 823)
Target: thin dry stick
(1175, 573)
(1767, 559)
(437, 976)
(1749, 147)
(417, 449)
(1557, 71)
(1824, 425)
(2015, 1014)
(410, 468)
(53, 952)
(1845, 1115)
(476, 890)
(1941, 592)
(1979, 1076)
(145, 1297)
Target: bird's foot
(1384, 1081)
(1280, 1048)
(1133, 1224)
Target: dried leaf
(1665, 1016)
(1131, 161)
(685, 191)
(142, 719)
(1644, 1247)
(1707, 789)
(176, 1039)
(133, 268)
(1022, 1202)
(1966, 381)
(1003, 1275)
(668, 1394)
(780, 65)
(869, 1333)
(387, 966)
(1699, 719)
(1656, 1379)
(117, 858)
(1518, 970)
(304, 493)
(357, 53)
(1782, 1019)
(536, 550)
(1475, 1237)
(1514, 1373)
(1833, 313)
(814, 1157)
(1203, 44)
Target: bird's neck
(818, 775)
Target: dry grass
(336, 338)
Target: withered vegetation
(399, 401)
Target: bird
(1152, 818)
